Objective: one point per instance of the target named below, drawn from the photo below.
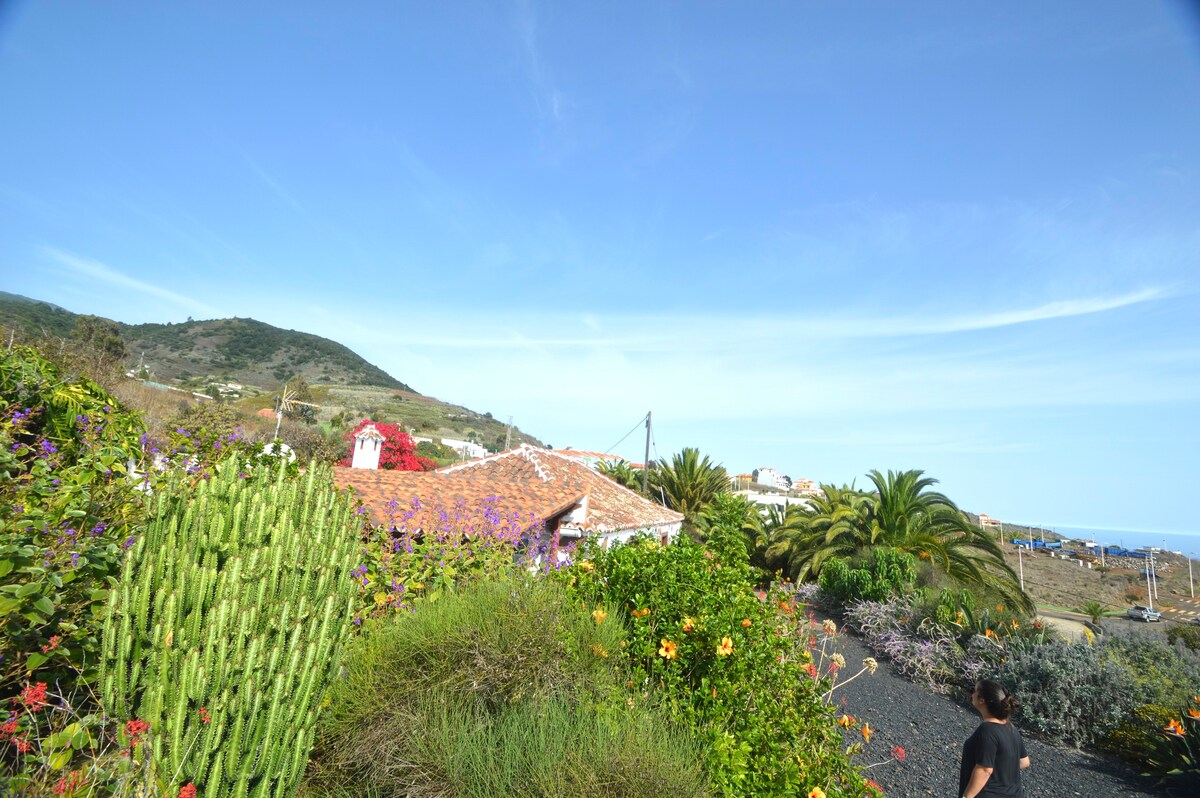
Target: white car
(1140, 613)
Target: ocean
(1187, 543)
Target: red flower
(811, 670)
(204, 718)
(898, 754)
(22, 744)
(53, 644)
(34, 696)
(9, 726)
(187, 791)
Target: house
(524, 489)
(772, 479)
(611, 512)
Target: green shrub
(66, 506)
(1190, 635)
(734, 668)
(888, 572)
(1174, 752)
(226, 627)
(503, 689)
(1070, 693)
(1132, 739)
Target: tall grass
(504, 690)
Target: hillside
(228, 350)
(261, 357)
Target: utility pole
(646, 458)
(1149, 587)
(507, 433)
(1191, 585)
(1021, 567)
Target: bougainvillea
(399, 452)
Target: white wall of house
(368, 445)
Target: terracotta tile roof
(425, 500)
(610, 507)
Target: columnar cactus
(226, 626)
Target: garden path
(931, 728)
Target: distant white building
(468, 449)
(772, 479)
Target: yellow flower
(1174, 727)
(846, 721)
(867, 731)
(642, 613)
(871, 664)
(599, 651)
(958, 617)
(726, 647)
(688, 624)
(999, 608)
(1015, 625)
(829, 627)
(598, 615)
(839, 660)
(816, 792)
(587, 565)
(668, 649)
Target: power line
(641, 421)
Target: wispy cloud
(269, 180)
(546, 96)
(715, 333)
(99, 272)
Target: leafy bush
(1174, 752)
(1190, 635)
(66, 508)
(720, 661)
(1070, 693)
(504, 689)
(887, 572)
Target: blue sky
(823, 237)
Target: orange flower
(867, 731)
(640, 613)
(688, 624)
(1193, 713)
(1174, 727)
(846, 721)
(598, 615)
(816, 792)
(988, 633)
(587, 565)
(1015, 625)
(726, 647)
(786, 606)
(600, 651)
(667, 649)
(745, 621)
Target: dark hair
(999, 703)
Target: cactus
(235, 601)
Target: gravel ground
(932, 728)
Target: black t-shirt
(998, 746)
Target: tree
(903, 514)
(399, 453)
(622, 473)
(300, 397)
(102, 336)
(687, 483)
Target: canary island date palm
(902, 513)
(687, 483)
(622, 473)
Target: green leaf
(28, 589)
(44, 605)
(5, 567)
(7, 605)
(59, 761)
(35, 660)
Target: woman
(994, 756)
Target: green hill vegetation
(197, 355)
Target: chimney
(368, 444)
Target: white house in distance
(772, 479)
(593, 459)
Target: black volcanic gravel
(932, 728)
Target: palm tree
(810, 535)
(904, 514)
(622, 473)
(687, 483)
